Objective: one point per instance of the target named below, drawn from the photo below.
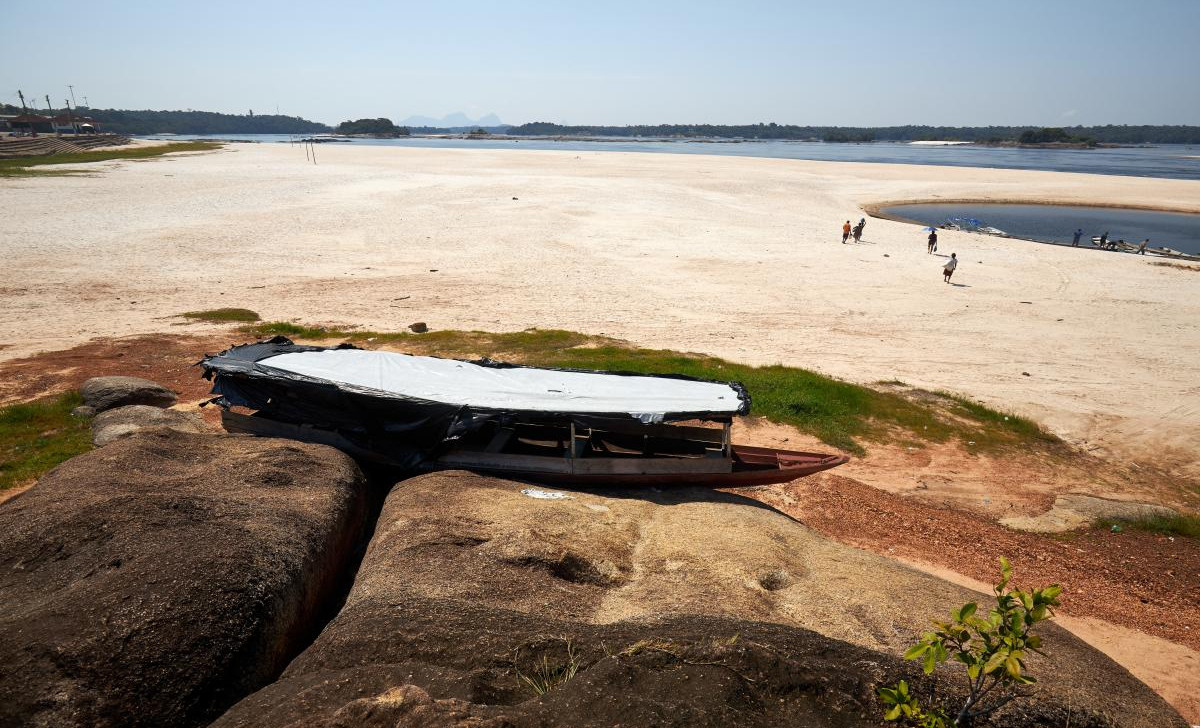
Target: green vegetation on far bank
(840, 414)
(25, 166)
(36, 436)
(149, 121)
(1108, 134)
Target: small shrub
(991, 649)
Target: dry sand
(737, 257)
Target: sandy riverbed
(731, 256)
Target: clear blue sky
(844, 62)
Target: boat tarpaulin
(393, 392)
(515, 389)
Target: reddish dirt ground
(1139, 580)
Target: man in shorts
(845, 232)
(932, 241)
(950, 266)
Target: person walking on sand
(862, 224)
(845, 232)
(951, 264)
(1078, 234)
(857, 232)
(932, 241)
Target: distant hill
(457, 120)
(146, 121)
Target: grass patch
(30, 166)
(839, 413)
(224, 315)
(1182, 524)
(38, 435)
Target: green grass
(839, 413)
(1182, 524)
(38, 435)
(224, 315)
(25, 166)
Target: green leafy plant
(992, 649)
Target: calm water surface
(1175, 161)
(1057, 223)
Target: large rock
(157, 580)
(120, 422)
(104, 393)
(682, 608)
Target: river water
(1173, 161)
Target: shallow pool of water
(1057, 223)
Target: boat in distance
(557, 426)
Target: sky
(833, 62)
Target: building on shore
(32, 124)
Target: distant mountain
(450, 121)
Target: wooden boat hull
(750, 466)
(746, 466)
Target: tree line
(1108, 134)
(147, 121)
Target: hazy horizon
(873, 64)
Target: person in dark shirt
(1078, 234)
(932, 241)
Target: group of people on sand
(950, 266)
(1106, 244)
(856, 231)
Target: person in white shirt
(950, 266)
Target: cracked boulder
(159, 579)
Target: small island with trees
(380, 128)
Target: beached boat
(571, 427)
(972, 225)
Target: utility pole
(71, 119)
(85, 102)
(51, 110)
